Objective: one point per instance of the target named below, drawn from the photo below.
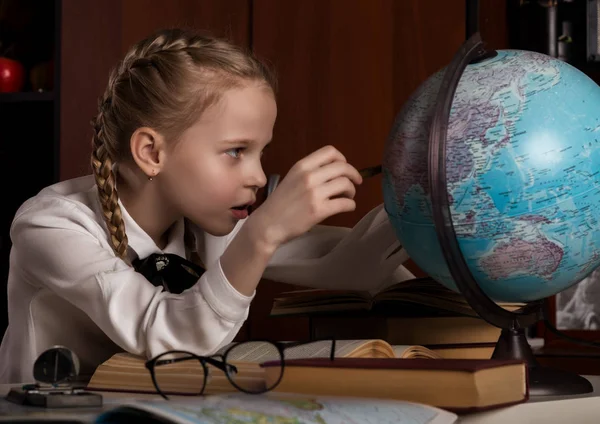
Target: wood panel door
(229, 19)
(345, 68)
(90, 43)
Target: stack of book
(415, 312)
(416, 341)
(361, 368)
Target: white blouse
(67, 287)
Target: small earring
(150, 178)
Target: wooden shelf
(31, 96)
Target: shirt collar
(143, 245)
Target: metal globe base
(512, 343)
(543, 381)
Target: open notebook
(127, 373)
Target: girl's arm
(365, 257)
(58, 247)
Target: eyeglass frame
(219, 361)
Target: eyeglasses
(185, 373)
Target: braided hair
(164, 82)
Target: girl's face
(216, 165)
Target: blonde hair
(164, 82)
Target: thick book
(124, 372)
(415, 297)
(465, 350)
(427, 331)
(275, 408)
(459, 385)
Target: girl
(176, 163)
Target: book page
(400, 350)
(322, 349)
(414, 351)
(262, 352)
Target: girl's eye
(235, 152)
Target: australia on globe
(522, 172)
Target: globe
(522, 175)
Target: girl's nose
(261, 179)
(258, 179)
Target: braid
(175, 43)
(101, 161)
(109, 198)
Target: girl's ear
(148, 149)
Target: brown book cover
(459, 385)
(436, 330)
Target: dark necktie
(172, 272)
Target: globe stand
(543, 381)
(512, 343)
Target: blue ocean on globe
(523, 175)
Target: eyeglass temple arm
(217, 363)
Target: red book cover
(467, 365)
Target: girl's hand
(317, 187)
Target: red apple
(12, 75)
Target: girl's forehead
(247, 112)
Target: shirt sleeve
(60, 248)
(366, 257)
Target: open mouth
(241, 212)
